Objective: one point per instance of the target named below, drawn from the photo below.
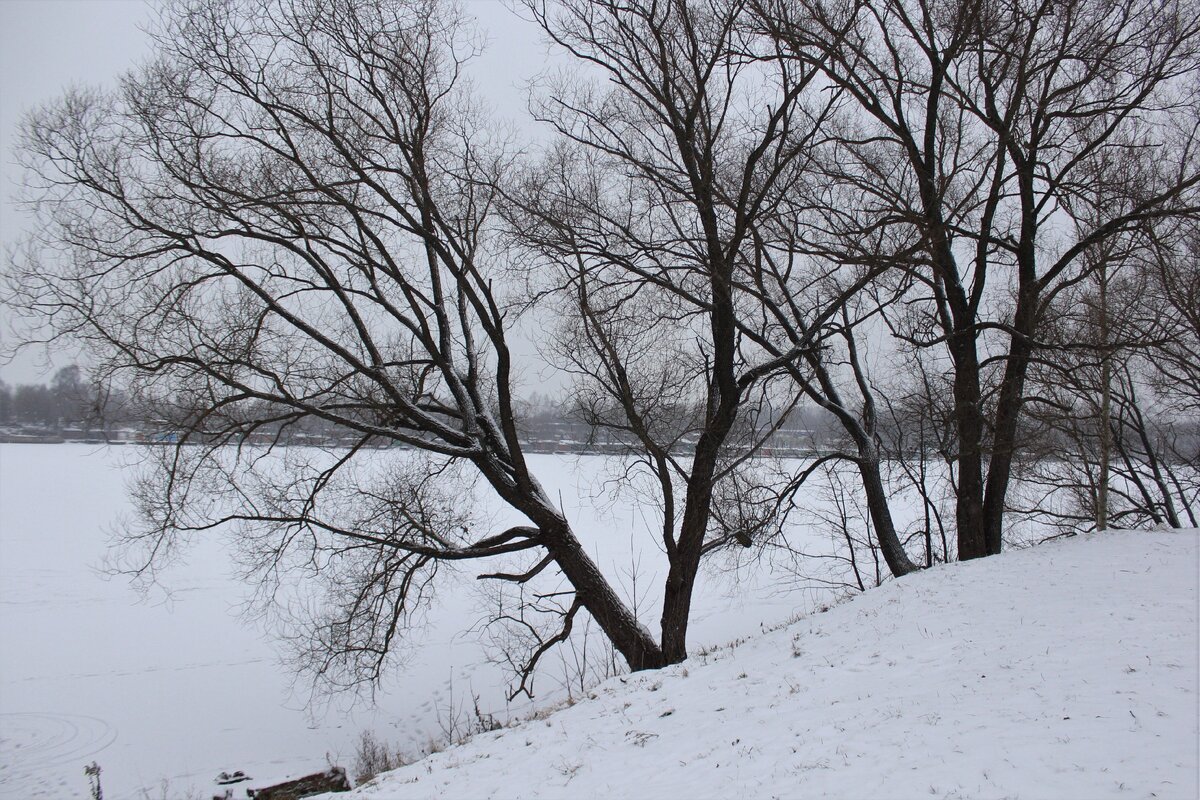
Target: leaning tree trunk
(881, 514)
(862, 433)
(592, 591)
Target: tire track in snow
(33, 744)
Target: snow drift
(1068, 670)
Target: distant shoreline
(536, 448)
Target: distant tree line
(73, 403)
(67, 401)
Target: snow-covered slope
(1069, 670)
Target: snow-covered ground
(885, 697)
(1069, 670)
(180, 690)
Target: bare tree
(1111, 406)
(979, 130)
(661, 210)
(1173, 292)
(285, 220)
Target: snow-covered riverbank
(1068, 670)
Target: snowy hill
(1067, 671)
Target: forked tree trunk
(723, 396)
(868, 466)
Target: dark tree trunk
(592, 590)
(862, 432)
(881, 515)
(968, 421)
(723, 395)
(1008, 414)
(628, 636)
(681, 578)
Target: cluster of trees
(68, 401)
(1117, 415)
(900, 212)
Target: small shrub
(483, 722)
(373, 757)
(92, 771)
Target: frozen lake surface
(177, 689)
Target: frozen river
(166, 693)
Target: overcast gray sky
(47, 46)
